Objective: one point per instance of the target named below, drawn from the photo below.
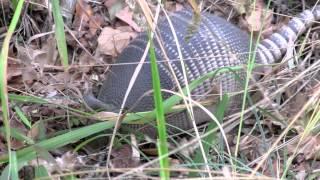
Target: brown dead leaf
(179, 7)
(123, 157)
(82, 15)
(85, 61)
(95, 24)
(14, 70)
(310, 147)
(109, 3)
(34, 131)
(47, 55)
(67, 162)
(29, 74)
(83, 10)
(126, 16)
(114, 6)
(252, 147)
(16, 144)
(173, 6)
(36, 58)
(241, 6)
(297, 102)
(51, 53)
(52, 84)
(28, 54)
(113, 41)
(258, 18)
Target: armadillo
(216, 43)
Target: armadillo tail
(273, 48)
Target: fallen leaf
(179, 7)
(14, 70)
(82, 15)
(126, 16)
(309, 147)
(113, 41)
(173, 6)
(34, 131)
(29, 74)
(109, 3)
(114, 6)
(123, 157)
(28, 54)
(240, 6)
(85, 61)
(95, 24)
(67, 162)
(47, 55)
(258, 18)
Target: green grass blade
(250, 66)
(211, 140)
(22, 117)
(27, 99)
(161, 123)
(41, 172)
(3, 79)
(28, 153)
(5, 173)
(59, 32)
(15, 133)
(14, 166)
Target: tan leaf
(106, 115)
(29, 75)
(83, 11)
(34, 131)
(28, 54)
(14, 70)
(113, 41)
(114, 6)
(45, 56)
(240, 5)
(123, 157)
(309, 147)
(126, 16)
(109, 3)
(86, 61)
(95, 24)
(258, 18)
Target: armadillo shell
(215, 43)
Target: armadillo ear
(93, 103)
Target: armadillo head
(96, 104)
